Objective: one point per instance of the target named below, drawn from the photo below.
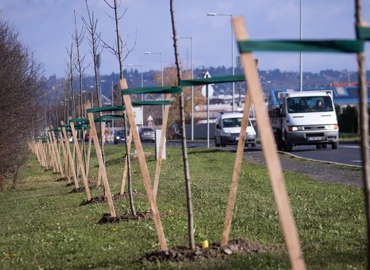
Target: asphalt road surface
(346, 153)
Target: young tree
(94, 41)
(183, 137)
(170, 78)
(78, 38)
(69, 88)
(118, 52)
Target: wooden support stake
(72, 167)
(126, 165)
(52, 154)
(88, 158)
(269, 150)
(236, 172)
(44, 153)
(59, 163)
(65, 157)
(80, 162)
(101, 163)
(102, 128)
(143, 167)
(161, 146)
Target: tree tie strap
(153, 90)
(342, 46)
(219, 79)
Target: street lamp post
(142, 82)
(142, 78)
(192, 88)
(91, 97)
(162, 75)
(232, 51)
(300, 53)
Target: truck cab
(305, 118)
(227, 130)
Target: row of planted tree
(48, 153)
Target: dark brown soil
(55, 173)
(128, 217)
(77, 190)
(96, 187)
(183, 253)
(102, 198)
(70, 184)
(61, 179)
(82, 189)
(46, 170)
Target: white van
(305, 118)
(228, 129)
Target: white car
(227, 131)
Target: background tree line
(21, 101)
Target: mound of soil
(128, 217)
(96, 187)
(82, 189)
(61, 179)
(77, 190)
(183, 253)
(102, 198)
(97, 199)
(55, 173)
(70, 184)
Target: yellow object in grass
(205, 244)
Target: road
(346, 153)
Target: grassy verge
(42, 226)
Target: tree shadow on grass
(205, 151)
(103, 198)
(107, 218)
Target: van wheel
(280, 146)
(334, 145)
(318, 146)
(216, 144)
(288, 147)
(222, 142)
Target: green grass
(43, 227)
(350, 137)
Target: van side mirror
(218, 126)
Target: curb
(318, 160)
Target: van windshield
(310, 104)
(233, 122)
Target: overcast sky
(46, 27)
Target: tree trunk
(129, 178)
(15, 176)
(119, 51)
(1, 183)
(183, 139)
(364, 122)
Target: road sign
(207, 75)
(210, 90)
(138, 112)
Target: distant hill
(270, 79)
